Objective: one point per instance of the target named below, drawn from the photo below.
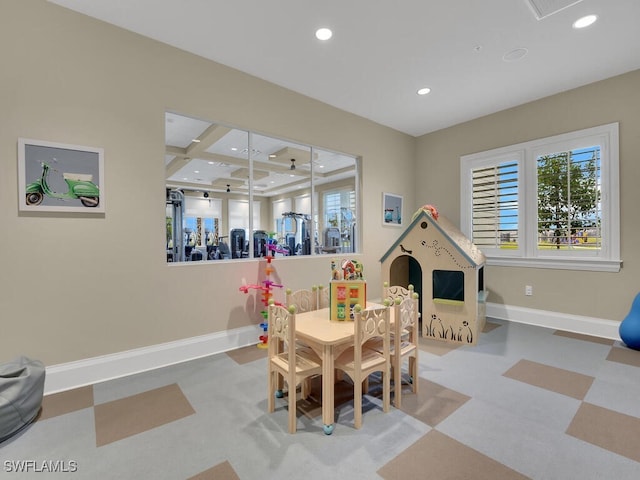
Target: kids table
(328, 338)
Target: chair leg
(305, 388)
(386, 390)
(271, 392)
(397, 382)
(413, 371)
(357, 402)
(293, 419)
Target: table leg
(327, 389)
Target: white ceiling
(382, 51)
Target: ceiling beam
(176, 163)
(207, 138)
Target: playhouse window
(547, 203)
(448, 285)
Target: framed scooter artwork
(56, 177)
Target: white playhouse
(447, 270)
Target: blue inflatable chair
(629, 329)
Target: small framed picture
(56, 177)
(391, 209)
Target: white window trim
(607, 259)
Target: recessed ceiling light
(585, 21)
(515, 55)
(234, 149)
(423, 91)
(211, 163)
(195, 140)
(196, 171)
(324, 34)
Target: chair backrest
(304, 300)
(406, 317)
(282, 330)
(323, 296)
(371, 323)
(396, 291)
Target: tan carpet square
(222, 471)
(566, 382)
(66, 402)
(436, 347)
(586, 338)
(613, 431)
(490, 326)
(136, 414)
(247, 354)
(438, 456)
(624, 355)
(433, 403)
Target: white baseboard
(76, 374)
(71, 375)
(597, 327)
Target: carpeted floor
(526, 402)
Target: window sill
(444, 301)
(583, 264)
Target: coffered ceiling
(201, 156)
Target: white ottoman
(21, 391)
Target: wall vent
(544, 8)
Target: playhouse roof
(465, 246)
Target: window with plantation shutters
(495, 205)
(569, 207)
(339, 207)
(332, 203)
(548, 203)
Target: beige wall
(601, 295)
(73, 287)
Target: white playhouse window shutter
(495, 205)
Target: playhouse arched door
(404, 271)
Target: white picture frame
(58, 177)
(392, 213)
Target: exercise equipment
(299, 239)
(238, 247)
(260, 243)
(175, 198)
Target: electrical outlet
(528, 290)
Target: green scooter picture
(80, 186)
